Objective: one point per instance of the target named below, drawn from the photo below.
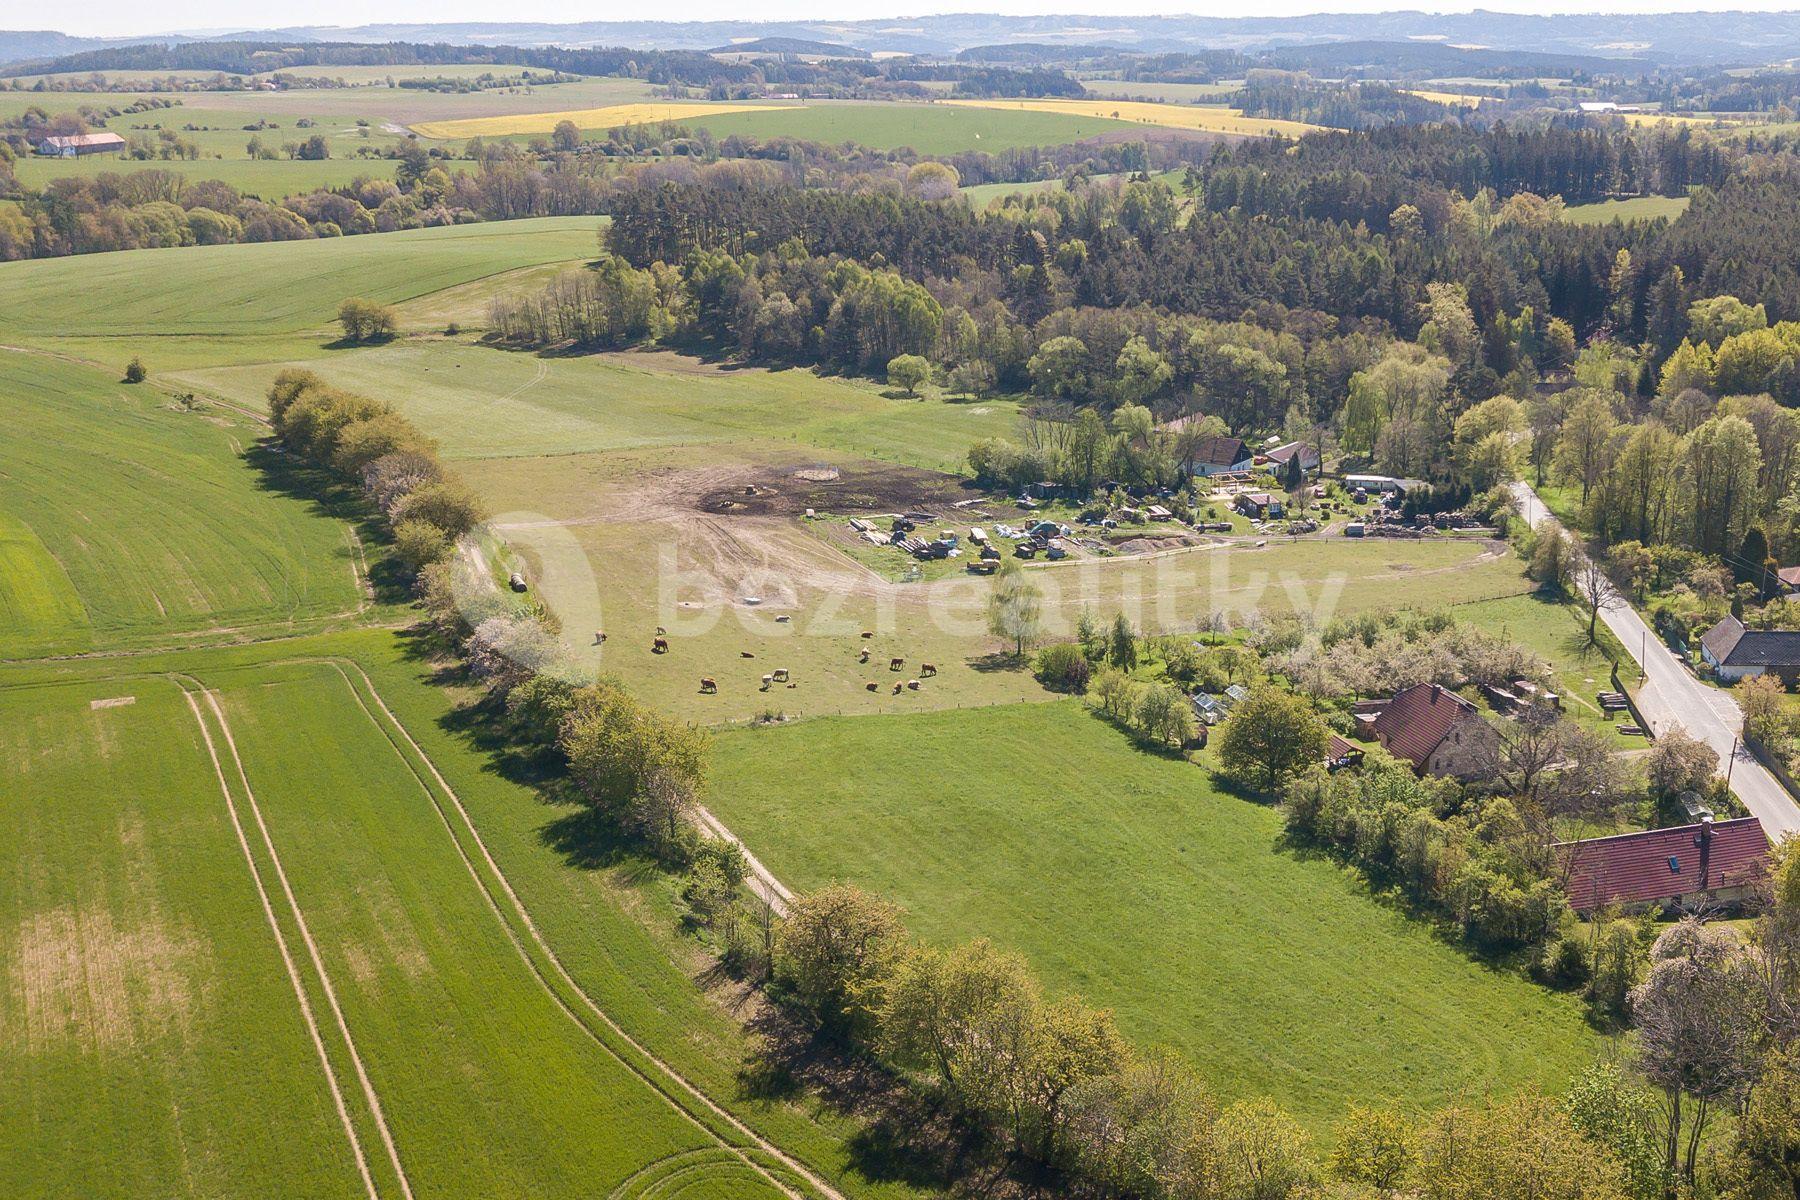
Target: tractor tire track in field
(542, 373)
(312, 949)
(287, 958)
(660, 1076)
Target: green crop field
(1639, 208)
(1168, 93)
(464, 1055)
(1130, 879)
(268, 287)
(563, 1056)
(926, 128)
(269, 179)
(153, 1045)
(123, 519)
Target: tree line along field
(333, 111)
(167, 1046)
(1131, 880)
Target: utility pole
(1731, 762)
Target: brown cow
(872, 686)
(780, 674)
(660, 646)
(898, 687)
(912, 685)
(599, 638)
(928, 669)
(867, 634)
(708, 686)
(864, 656)
(895, 664)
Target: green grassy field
(1169, 93)
(925, 128)
(124, 519)
(980, 195)
(1557, 633)
(1639, 208)
(481, 402)
(269, 287)
(1129, 879)
(600, 469)
(133, 944)
(268, 179)
(152, 1042)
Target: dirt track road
(1671, 696)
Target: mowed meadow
(1130, 879)
(125, 518)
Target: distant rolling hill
(777, 46)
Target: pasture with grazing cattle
(647, 489)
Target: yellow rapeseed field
(1213, 118)
(1661, 118)
(1454, 99)
(610, 117)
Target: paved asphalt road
(1671, 696)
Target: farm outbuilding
(80, 145)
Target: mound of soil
(874, 487)
(1148, 545)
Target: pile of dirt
(1149, 545)
(867, 488)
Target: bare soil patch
(84, 978)
(871, 486)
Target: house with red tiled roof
(1677, 867)
(1438, 732)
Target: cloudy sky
(122, 17)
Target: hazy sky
(123, 17)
